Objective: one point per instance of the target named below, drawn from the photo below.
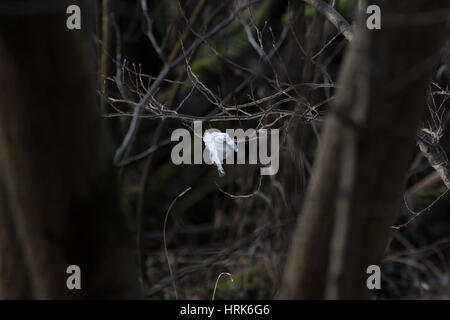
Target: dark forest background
(86, 176)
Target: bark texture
(366, 145)
(60, 203)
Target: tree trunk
(60, 203)
(367, 143)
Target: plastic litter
(220, 146)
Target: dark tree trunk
(366, 146)
(60, 203)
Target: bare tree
(365, 149)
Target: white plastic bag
(220, 146)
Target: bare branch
(163, 74)
(149, 31)
(333, 16)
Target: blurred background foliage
(209, 232)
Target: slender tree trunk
(105, 64)
(367, 143)
(60, 203)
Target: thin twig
(243, 195)
(164, 239)
(149, 32)
(416, 214)
(217, 281)
(333, 16)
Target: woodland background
(86, 177)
